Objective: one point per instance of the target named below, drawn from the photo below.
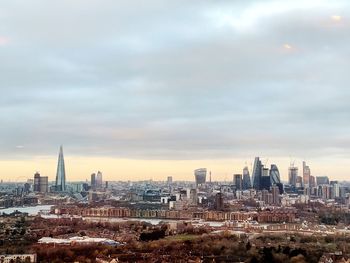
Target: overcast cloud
(175, 80)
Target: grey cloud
(165, 81)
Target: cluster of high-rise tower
(262, 177)
(306, 180)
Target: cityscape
(174, 131)
(255, 203)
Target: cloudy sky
(147, 89)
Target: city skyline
(162, 89)
(158, 170)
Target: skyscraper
(257, 174)
(237, 181)
(265, 180)
(293, 175)
(61, 173)
(275, 194)
(200, 175)
(219, 202)
(40, 183)
(36, 186)
(312, 182)
(193, 198)
(306, 175)
(93, 181)
(246, 179)
(299, 181)
(44, 184)
(274, 175)
(99, 180)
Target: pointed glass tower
(61, 173)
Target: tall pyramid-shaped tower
(61, 173)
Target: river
(31, 210)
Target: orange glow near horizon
(116, 169)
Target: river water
(31, 210)
(34, 210)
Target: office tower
(274, 175)
(41, 183)
(336, 190)
(36, 186)
(312, 182)
(93, 181)
(292, 175)
(200, 175)
(193, 196)
(276, 178)
(170, 180)
(275, 194)
(246, 179)
(257, 173)
(322, 180)
(306, 175)
(61, 173)
(237, 181)
(44, 184)
(265, 180)
(324, 191)
(99, 180)
(299, 181)
(219, 202)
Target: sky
(147, 89)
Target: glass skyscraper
(257, 174)
(200, 175)
(276, 178)
(61, 173)
(274, 175)
(293, 175)
(246, 179)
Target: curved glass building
(274, 175)
(200, 175)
